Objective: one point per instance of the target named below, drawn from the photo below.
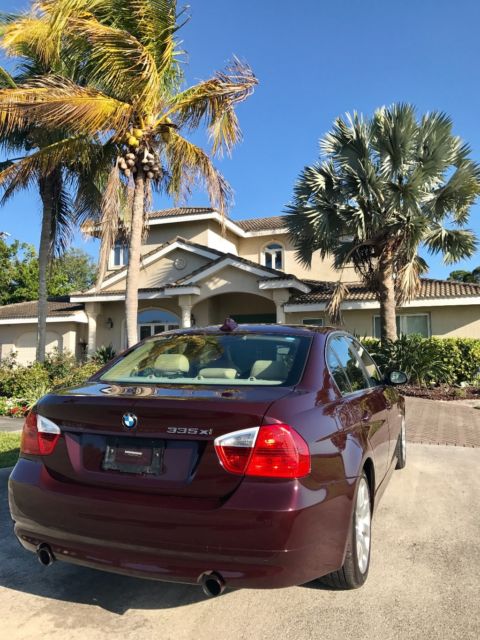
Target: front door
(151, 328)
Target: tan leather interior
(217, 372)
(172, 362)
(269, 370)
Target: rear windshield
(210, 359)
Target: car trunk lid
(168, 451)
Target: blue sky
(316, 60)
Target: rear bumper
(266, 535)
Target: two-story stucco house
(196, 274)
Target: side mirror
(397, 377)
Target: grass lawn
(9, 448)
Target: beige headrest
(218, 372)
(172, 362)
(269, 370)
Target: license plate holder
(135, 456)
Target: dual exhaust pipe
(45, 555)
(212, 583)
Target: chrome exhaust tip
(45, 555)
(213, 584)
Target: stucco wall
(206, 232)
(163, 271)
(22, 339)
(460, 321)
(252, 248)
(216, 309)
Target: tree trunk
(133, 274)
(386, 290)
(47, 194)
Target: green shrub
(22, 386)
(59, 364)
(24, 382)
(430, 360)
(77, 376)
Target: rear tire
(401, 449)
(357, 558)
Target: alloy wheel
(363, 525)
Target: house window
(153, 321)
(119, 256)
(316, 322)
(418, 323)
(273, 256)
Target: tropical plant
(384, 187)
(126, 93)
(466, 276)
(51, 160)
(104, 354)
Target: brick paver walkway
(450, 423)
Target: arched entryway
(243, 307)
(152, 321)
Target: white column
(185, 304)
(92, 310)
(280, 297)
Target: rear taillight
(271, 451)
(39, 435)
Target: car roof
(280, 329)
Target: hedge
(430, 360)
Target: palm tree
(47, 159)
(127, 93)
(385, 187)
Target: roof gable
(157, 254)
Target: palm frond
(407, 284)
(334, 306)
(26, 171)
(189, 165)
(213, 101)
(29, 36)
(6, 80)
(57, 103)
(62, 223)
(454, 244)
(109, 220)
(117, 62)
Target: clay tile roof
(429, 288)
(261, 224)
(56, 309)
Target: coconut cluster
(139, 155)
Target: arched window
(273, 256)
(152, 321)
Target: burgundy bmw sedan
(240, 456)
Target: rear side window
(338, 373)
(350, 362)
(374, 375)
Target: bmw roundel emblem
(129, 420)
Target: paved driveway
(423, 581)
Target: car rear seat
(218, 372)
(269, 370)
(172, 363)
